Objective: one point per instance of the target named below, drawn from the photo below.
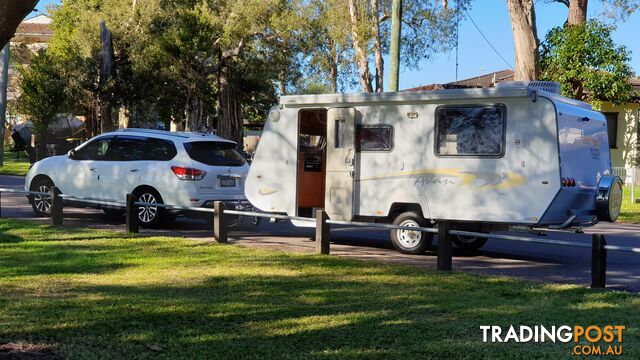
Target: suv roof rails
(179, 134)
(154, 131)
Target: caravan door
(340, 165)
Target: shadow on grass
(287, 306)
(110, 298)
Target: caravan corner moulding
(518, 154)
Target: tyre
(149, 216)
(407, 241)
(42, 204)
(469, 243)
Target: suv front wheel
(41, 204)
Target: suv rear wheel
(149, 216)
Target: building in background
(31, 36)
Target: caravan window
(470, 130)
(375, 138)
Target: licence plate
(227, 182)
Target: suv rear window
(214, 153)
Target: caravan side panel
(271, 181)
(516, 186)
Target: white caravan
(517, 154)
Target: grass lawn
(86, 294)
(630, 211)
(13, 166)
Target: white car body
(113, 179)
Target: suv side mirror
(72, 154)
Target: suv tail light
(185, 173)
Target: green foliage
(427, 29)
(42, 87)
(588, 64)
(327, 34)
(310, 86)
(619, 9)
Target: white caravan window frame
(503, 144)
(375, 126)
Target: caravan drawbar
(516, 154)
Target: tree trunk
(88, 123)
(333, 66)
(361, 58)
(377, 48)
(577, 12)
(106, 120)
(394, 49)
(523, 23)
(11, 14)
(228, 109)
(192, 112)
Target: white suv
(175, 168)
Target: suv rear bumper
(241, 205)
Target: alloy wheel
(147, 213)
(43, 202)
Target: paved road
(499, 257)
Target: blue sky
(476, 56)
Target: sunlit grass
(14, 166)
(94, 294)
(630, 211)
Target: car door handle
(133, 170)
(94, 169)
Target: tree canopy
(43, 94)
(588, 64)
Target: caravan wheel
(407, 241)
(470, 243)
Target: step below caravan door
(340, 165)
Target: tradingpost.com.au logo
(586, 340)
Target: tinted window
(127, 148)
(95, 150)
(470, 130)
(214, 153)
(134, 148)
(375, 138)
(161, 150)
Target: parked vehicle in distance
(175, 168)
(484, 159)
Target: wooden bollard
(323, 232)
(132, 214)
(220, 223)
(445, 251)
(56, 206)
(598, 262)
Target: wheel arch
(143, 187)
(398, 208)
(38, 178)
